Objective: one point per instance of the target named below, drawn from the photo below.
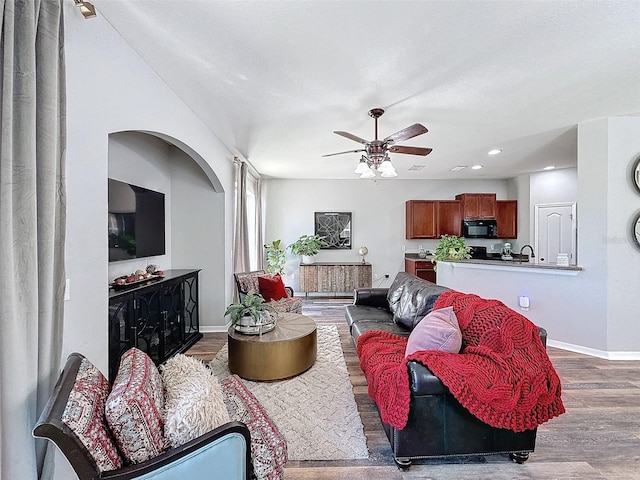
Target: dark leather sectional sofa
(438, 426)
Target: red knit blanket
(503, 375)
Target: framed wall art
(334, 228)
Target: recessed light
(476, 167)
(458, 168)
(549, 167)
(495, 151)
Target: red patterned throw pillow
(84, 415)
(268, 445)
(271, 287)
(135, 406)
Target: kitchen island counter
(517, 264)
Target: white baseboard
(594, 352)
(214, 328)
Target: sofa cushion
(363, 313)
(416, 300)
(271, 287)
(134, 408)
(438, 330)
(395, 290)
(84, 415)
(193, 400)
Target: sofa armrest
(227, 449)
(371, 297)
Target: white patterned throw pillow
(194, 403)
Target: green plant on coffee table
(451, 247)
(308, 245)
(275, 257)
(251, 306)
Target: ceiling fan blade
(348, 151)
(410, 150)
(406, 133)
(352, 137)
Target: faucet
(522, 249)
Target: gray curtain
(259, 224)
(32, 219)
(241, 237)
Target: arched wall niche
(194, 213)
(195, 156)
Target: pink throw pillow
(439, 330)
(271, 287)
(135, 407)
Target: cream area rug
(315, 411)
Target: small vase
(307, 259)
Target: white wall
(378, 216)
(594, 311)
(198, 236)
(111, 90)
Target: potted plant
(251, 315)
(307, 246)
(451, 247)
(275, 257)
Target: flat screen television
(136, 222)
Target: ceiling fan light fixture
(368, 174)
(362, 166)
(386, 166)
(389, 174)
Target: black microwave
(480, 229)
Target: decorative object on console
(276, 259)
(376, 156)
(362, 251)
(451, 247)
(252, 315)
(307, 246)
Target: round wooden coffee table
(286, 351)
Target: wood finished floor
(597, 438)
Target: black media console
(160, 317)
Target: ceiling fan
(376, 156)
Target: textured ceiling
(274, 79)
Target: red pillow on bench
(271, 287)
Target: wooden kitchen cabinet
(478, 205)
(433, 218)
(421, 219)
(449, 218)
(420, 268)
(507, 218)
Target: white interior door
(555, 231)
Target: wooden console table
(334, 276)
